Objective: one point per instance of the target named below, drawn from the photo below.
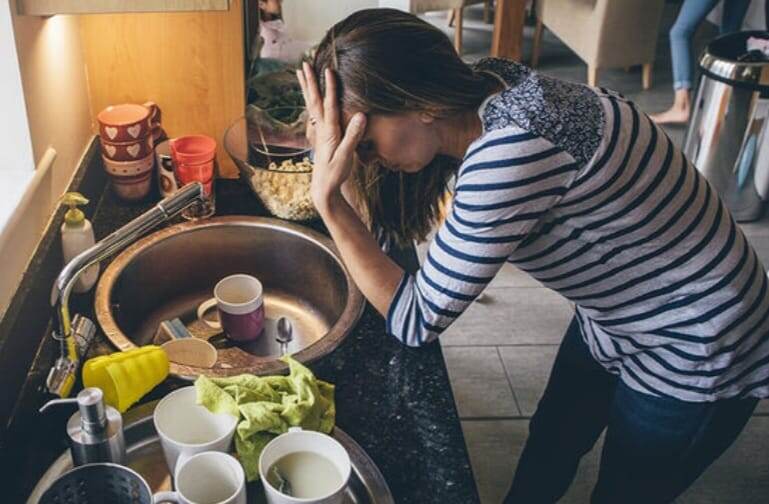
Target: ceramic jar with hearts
(127, 134)
(131, 180)
(128, 122)
(127, 151)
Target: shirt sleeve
(507, 182)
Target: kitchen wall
(308, 20)
(71, 67)
(55, 88)
(190, 63)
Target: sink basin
(169, 273)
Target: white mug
(298, 440)
(207, 478)
(186, 428)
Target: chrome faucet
(75, 334)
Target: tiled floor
(499, 353)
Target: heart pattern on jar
(111, 132)
(133, 150)
(110, 149)
(134, 130)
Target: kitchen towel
(267, 406)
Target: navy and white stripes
(668, 292)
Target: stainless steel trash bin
(727, 138)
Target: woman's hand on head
(334, 149)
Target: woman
(692, 13)
(668, 349)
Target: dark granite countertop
(396, 402)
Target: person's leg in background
(656, 447)
(569, 419)
(733, 15)
(692, 13)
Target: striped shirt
(578, 188)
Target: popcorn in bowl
(285, 189)
(274, 160)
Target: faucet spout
(62, 374)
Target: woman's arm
(375, 274)
(508, 181)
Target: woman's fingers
(303, 85)
(330, 102)
(312, 94)
(352, 137)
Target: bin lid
(722, 61)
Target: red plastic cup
(203, 173)
(193, 149)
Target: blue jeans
(654, 447)
(692, 13)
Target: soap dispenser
(95, 431)
(77, 236)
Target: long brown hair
(387, 62)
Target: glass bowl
(273, 158)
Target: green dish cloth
(267, 406)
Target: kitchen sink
(169, 273)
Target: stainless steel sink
(168, 273)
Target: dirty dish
(276, 162)
(191, 352)
(193, 149)
(127, 151)
(166, 178)
(101, 482)
(240, 302)
(131, 180)
(316, 466)
(207, 478)
(128, 122)
(186, 428)
(125, 377)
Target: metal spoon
(285, 334)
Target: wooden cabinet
(191, 64)
(52, 7)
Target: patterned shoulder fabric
(567, 114)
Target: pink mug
(240, 302)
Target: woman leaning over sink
(668, 349)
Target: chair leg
(646, 76)
(452, 15)
(487, 12)
(592, 75)
(536, 43)
(458, 30)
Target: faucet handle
(84, 331)
(61, 378)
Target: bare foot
(678, 113)
(674, 115)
